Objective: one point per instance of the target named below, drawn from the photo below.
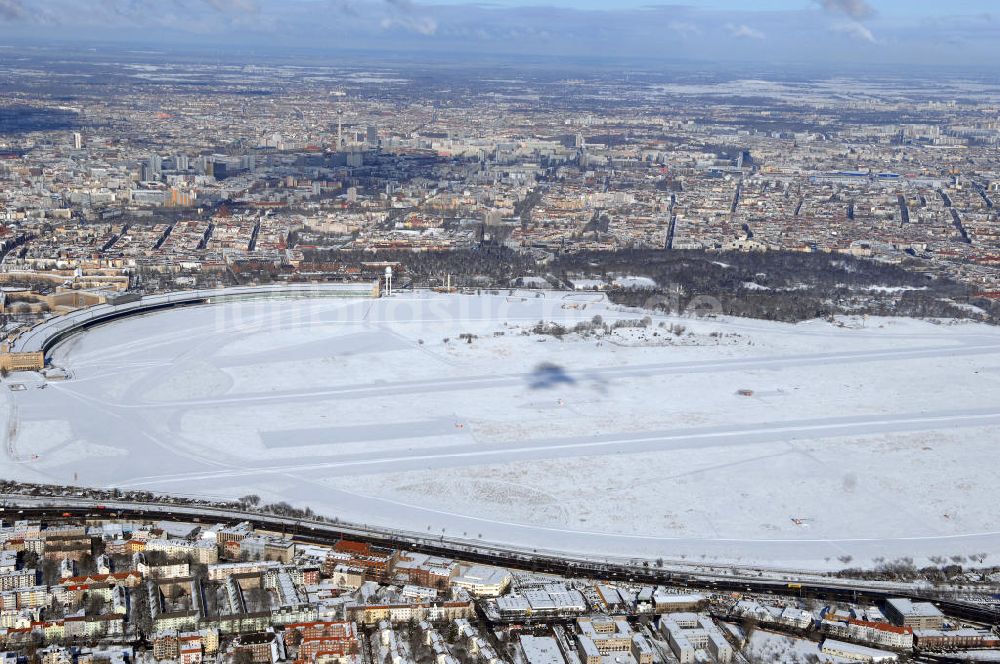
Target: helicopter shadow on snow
(549, 375)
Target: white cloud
(855, 9)
(684, 29)
(856, 30)
(69, 12)
(744, 31)
(233, 5)
(404, 16)
(12, 9)
(422, 25)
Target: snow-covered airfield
(871, 439)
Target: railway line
(326, 533)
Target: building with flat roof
(541, 650)
(966, 637)
(687, 633)
(855, 652)
(483, 580)
(918, 615)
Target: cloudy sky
(917, 32)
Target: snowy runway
(858, 442)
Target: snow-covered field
(861, 441)
(780, 649)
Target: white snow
(587, 284)
(782, 649)
(975, 655)
(863, 439)
(638, 283)
(531, 282)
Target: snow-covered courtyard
(814, 445)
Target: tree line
(776, 285)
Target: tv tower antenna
(340, 130)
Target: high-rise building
(372, 136)
(77, 141)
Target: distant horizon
(821, 33)
(412, 57)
